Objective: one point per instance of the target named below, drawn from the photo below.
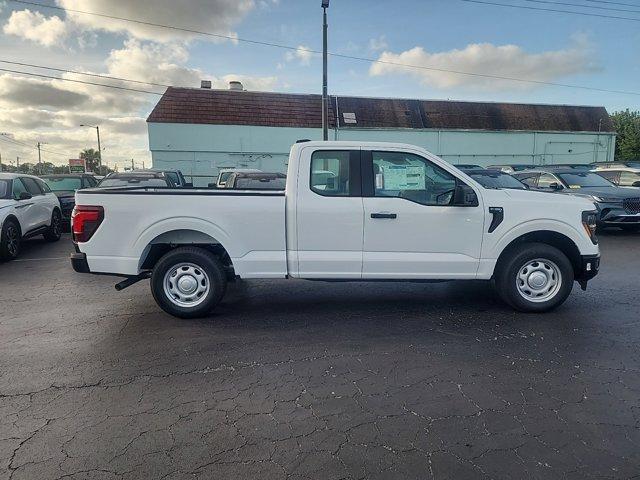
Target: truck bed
(135, 218)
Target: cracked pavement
(311, 380)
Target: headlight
(590, 223)
(606, 199)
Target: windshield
(4, 189)
(584, 179)
(224, 176)
(133, 182)
(173, 176)
(497, 180)
(58, 184)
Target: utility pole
(0, 161)
(325, 100)
(132, 167)
(17, 164)
(97, 127)
(39, 160)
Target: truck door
(329, 214)
(411, 230)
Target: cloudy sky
(451, 35)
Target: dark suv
(617, 206)
(65, 186)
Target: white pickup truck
(351, 211)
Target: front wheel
(534, 277)
(188, 282)
(10, 240)
(54, 232)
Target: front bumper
(589, 267)
(79, 262)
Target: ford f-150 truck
(350, 211)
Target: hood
(65, 193)
(608, 192)
(550, 198)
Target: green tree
(627, 125)
(91, 158)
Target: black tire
(198, 265)
(631, 228)
(554, 266)
(54, 232)
(10, 240)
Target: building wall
(200, 150)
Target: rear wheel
(631, 228)
(188, 282)
(534, 277)
(54, 232)
(10, 240)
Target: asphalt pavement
(310, 380)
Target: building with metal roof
(200, 130)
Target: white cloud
(301, 54)
(489, 59)
(215, 16)
(378, 44)
(36, 27)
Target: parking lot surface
(305, 380)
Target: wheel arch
(549, 237)
(12, 217)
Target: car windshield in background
(59, 184)
(584, 179)
(497, 180)
(133, 182)
(4, 189)
(174, 177)
(276, 183)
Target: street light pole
(325, 100)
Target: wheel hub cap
(539, 280)
(186, 285)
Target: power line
(613, 3)
(581, 5)
(107, 77)
(336, 55)
(79, 81)
(22, 144)
(542, 9)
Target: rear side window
(330, 173)
(32, 186)
(529, 180)
(611, 176)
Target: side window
(43, 186)
(529, 180)
(405, 175)
(611, 176)
(627, 179)
(330, 172)
(18, 188)
(546, 179)
(32, 186)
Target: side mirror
(465, 196)
(25, 196)
(636, 184)
(555, 186)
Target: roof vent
(236, 86)
(205, 84)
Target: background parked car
(629, 164)
(468, 166)
(617, 206)
(136, 179)
(511, 168)
(495, 179)
(27, 208)
(64, 186)
(256, 181)
(175, 175)
(622, 176)
(225, 173)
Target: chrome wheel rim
(12, 240)
(539, 280)
(186, 285)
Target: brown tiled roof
(227, 107)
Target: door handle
(384, 215)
